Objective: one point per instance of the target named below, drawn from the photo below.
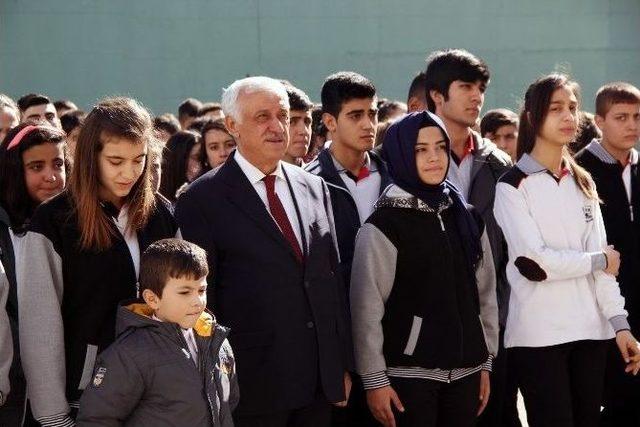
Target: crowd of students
(264, 261)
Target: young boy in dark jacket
(171, 363)
(612, 161)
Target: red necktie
(280, 215)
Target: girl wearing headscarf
(423, 301)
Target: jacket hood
(137, 314)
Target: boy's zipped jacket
(621, 218)
(345, 212)
(148, 378)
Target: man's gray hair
(229, 102)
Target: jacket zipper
(184, 347)
(441, 222)
(446, 235)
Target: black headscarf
(399, 148)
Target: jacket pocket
(412, 341)
(89, 364)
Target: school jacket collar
(483, 148)
(330, 174)
(595, 148)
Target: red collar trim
(469, 147)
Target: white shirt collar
(254, 174)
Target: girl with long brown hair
(565, 302)
(81, 256)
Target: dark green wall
(161, 51)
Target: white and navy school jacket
(555, 237)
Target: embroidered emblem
(97, 380)
(225, 366)
(588, 213)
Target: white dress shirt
(460, 174)
(130, 238)
(255, 175)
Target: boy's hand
(630, 351)
(347, 390)
(485, 390)
(379, 401)
(632, 368)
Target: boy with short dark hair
(299, 125)
(38, 109)
(211, 110)
(501, 127)
(188, 111)
(165, 126)
(171, 363)
(356, 176)
(612, 161)
(64, 106)
(417, 97)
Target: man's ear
(330, 122)
(232, 126)
(436, 97)
(599, 121)
(151, 299)
(414, 104)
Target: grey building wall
(162, 51)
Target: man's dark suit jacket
(290, 328)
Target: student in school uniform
(565, 302)
(423, 290)
(33, 167)
(613, 164)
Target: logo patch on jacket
(588, 213)
(97, 380)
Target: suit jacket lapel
(245, 198)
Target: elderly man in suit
(268, 231)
